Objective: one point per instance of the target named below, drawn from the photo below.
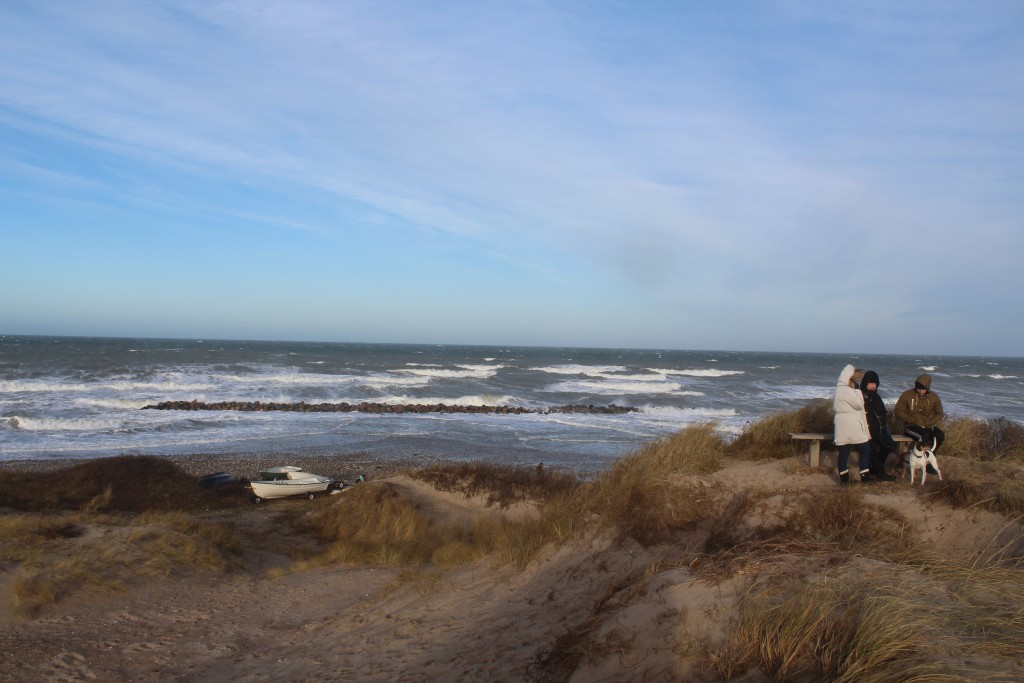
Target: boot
(844, 478)
(866, 477)
(880, 475)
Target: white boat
(288, 480)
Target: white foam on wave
(929, 368)
(1004, 376)
(698, 372)
(576, 369)
(380, 382)
(689, 414)
(612, 387)
(799, 392)
(75, 424)
(463, 371)
(43, 386)
(303, 379)
(115, 403)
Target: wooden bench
(814, 440)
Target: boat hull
(287, 487)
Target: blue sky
(790, 176)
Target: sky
(777, 176)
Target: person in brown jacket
(920, 411)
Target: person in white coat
(851, 424)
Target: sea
(75, 397)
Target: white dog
(919, 459)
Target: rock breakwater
(386, 408)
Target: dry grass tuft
(1005, 496)
(503, 486)
(974, 439)
(378, 524)
(640, 498)
(168, 541)
(56, 559)
(768, 439)
(823, 527)
(698, 449)
(833, 628)
(119, 484)
(649, 509)
(923, 618)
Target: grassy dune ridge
(828, 583)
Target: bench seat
(814, 440)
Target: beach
(653, 565)
(599, 606)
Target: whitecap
(575, 369)
(607, 386)
(464, 372)
(699, 372)
(33, 424)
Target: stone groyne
(385, 408)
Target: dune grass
(985, 440)
(377, 524)
(923, 619)
(697, 449)
(838, 587)
(502, 485)
(637, 497)
(768, 438)
(129, 483)
(834, 628)
(56, 559)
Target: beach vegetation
(986, 440)
(824, 583)
(130, 483)
(697, 449)
(55, 556)
(380, 524)
(502, 486)
(768, 438)
(864, 620)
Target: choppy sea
(70, 397)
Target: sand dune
(597, 608)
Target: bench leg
(814, 454)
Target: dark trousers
(879, 454)
(926, 434)
(863, 451)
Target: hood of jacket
(869, 377)
(845, 375)
(923, 382)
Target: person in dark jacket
(881, 439)
(920, 411)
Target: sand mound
(597, 607)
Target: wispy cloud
(815, 152)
